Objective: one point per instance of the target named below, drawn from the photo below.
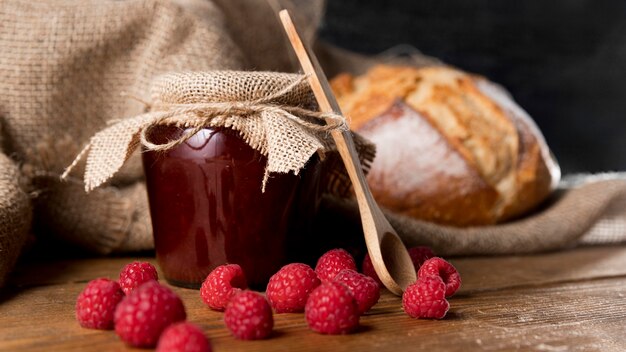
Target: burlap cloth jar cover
(273, 112)
(64, 65)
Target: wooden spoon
(389, 255)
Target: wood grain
(389, 256)
(492, 273)
(565, 301)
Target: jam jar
(208, 209)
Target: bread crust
(449, 149)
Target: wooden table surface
(563, 301)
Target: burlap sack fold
(15, 216)
(592, 211)
(66, 203)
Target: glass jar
(208, 209)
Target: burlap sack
(592, 211)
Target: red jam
(207, 207)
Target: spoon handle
(328, 103)
(382, 242)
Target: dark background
(564, 61)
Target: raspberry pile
(332, 297)
(141, 310)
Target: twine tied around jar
(271, 111)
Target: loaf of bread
(452, 148)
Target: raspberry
(364, 289)
(418, 256)
(248, 316)
(146, 312)
(221, 284)
(95, 306)
(439, 267)
(331, 309)
(183, 337)
(332, 262)
(290, 287)
(135, 274)
(426, 298)
(367, 268)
